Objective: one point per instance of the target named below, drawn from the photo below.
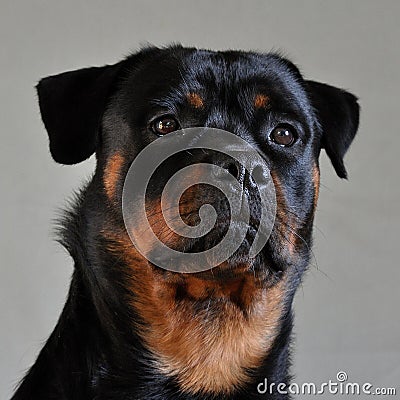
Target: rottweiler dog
(133, 330)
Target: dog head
(116, 111)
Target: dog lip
(219, 231)
(224, 224)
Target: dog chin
(239, 263)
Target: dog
(133, 330)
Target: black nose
(233, 167)
(250, 173)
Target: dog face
(118, 110)
(204, 331)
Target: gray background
(347, 312)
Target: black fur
(94, 353)
(71, 105)
(338, 113)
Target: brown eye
(283, 135)
(164, 125)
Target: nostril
(258, 174)
(233, 169)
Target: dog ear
(71, 105)
(338, 114)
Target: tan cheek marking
(160, 228)
(316, 181)
(261, 101)
(207, 351)
(112, 174)
(195, 100)
(280, 196)
(157, 219)
(287, 221)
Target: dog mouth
(238, 236)
(261, 267)
(239, 233)
(206, 228)
(220, 231)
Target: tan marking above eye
(261, 101)
(195, 100)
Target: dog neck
(209, 336)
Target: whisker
(314, 258)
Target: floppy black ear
(71, 105)
(338, 113)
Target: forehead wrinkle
(170, 101)
(293, 89)
(214, 73)
(222, 118)
(245, 99)
(177, 96)
(208, 70)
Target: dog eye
(164, 125)
(283, 135)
